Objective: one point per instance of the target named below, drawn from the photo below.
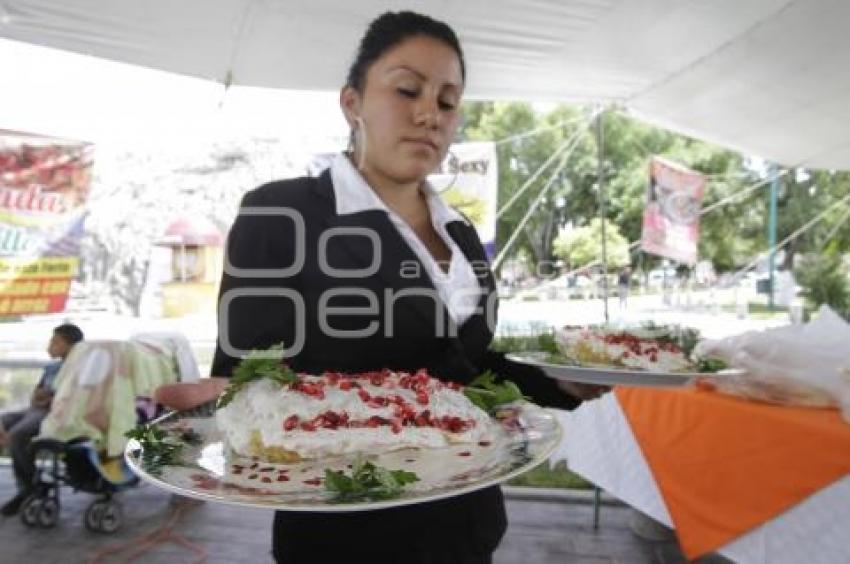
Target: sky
(63, 94)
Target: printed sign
(44, 185)
(672, 212)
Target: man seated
(17, 428)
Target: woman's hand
(188, 395)
(583, 391)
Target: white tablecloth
(599, 445)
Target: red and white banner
(672, 212)
(44, 185)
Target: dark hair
(69, 332)
(388, 30)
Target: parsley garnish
(256, 366)
(367, 482)
(488, 394)
(158, 447)
(711, 365)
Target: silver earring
(361, 127)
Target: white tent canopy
(767, 77)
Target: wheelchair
(76, 464)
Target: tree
(583, 245)
(731, 235)
(520, 159)
(803, 195)
(824, 281)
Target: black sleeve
(257, 304)
(531, 380)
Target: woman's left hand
(583, 391)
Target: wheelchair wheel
(104, 516)
(30, 510)
(93, 516)
(112, 518)
(48, 513)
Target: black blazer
(391, 301)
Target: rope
(835, 229)
(741, 193)
(567, 145)
(163, 534)
(501, 256)
(702, 212)
(808, 225)
(531, 132)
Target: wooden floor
(540, 532)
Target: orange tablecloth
(725, 465)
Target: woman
(365, 268)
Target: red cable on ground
(160, 535)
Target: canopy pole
(603, 211)
(771, 236)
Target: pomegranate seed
(307, 426)
(484, 443)
(464, 453)
(395, 424)
(376, 421)
(290, 423)
(422, 398)
(313, 482)
(345, 384)
(364, 395)
(266, 480)
(283, 478)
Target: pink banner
(672, 212)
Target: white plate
(610, 376)
(207, 472)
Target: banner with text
(672, 212)
(44, 185)
(468, 180)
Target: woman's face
(409, 109)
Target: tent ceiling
(762, 76)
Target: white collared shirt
(458, 288)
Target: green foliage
(367, 482)
(258, 365)
(583, 245)
(558, 476)
(488, 394)
(158, 447)
(520, 159)
(803, 194)
(824, 281)
(544, 342)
